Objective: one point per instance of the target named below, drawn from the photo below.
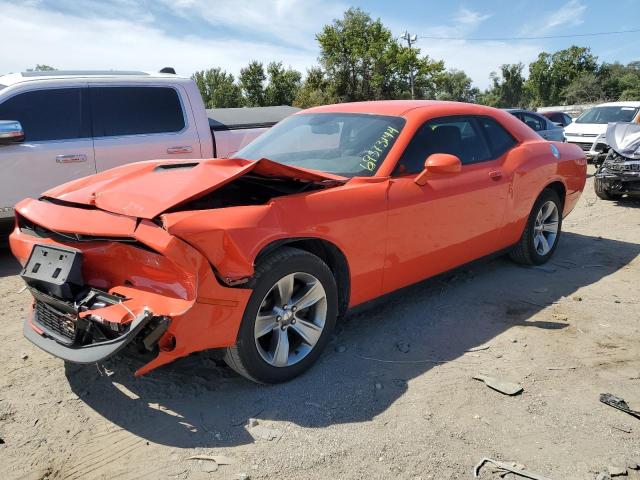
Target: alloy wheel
(290, 319)
(545, 230)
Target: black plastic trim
(92, 353)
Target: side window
(460, 136)
(534, 122)
(567, 120)
(50, 114)
(135, 110)
(499, 139)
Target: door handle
(180, 149)
(73, 158)
(495, 174)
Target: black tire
(244, 356)
(524, 251)
(603, 190)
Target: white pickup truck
(57, 126)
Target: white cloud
(280, 30)
(470, 17)
(67, 42)
(571, 14)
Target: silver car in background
(540, 124)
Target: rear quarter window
(121, 111)
(500, 141)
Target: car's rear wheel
(542, 231)
(288, 319)
(603, 189)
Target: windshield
(346, 144)
(608, 114)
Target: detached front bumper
(91, 353)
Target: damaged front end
(620, 172)
(143, 255)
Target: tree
(551, 74)
(314, 91)
(620, 82)
(218, 88)
(252, 79)
(507, 89)
(455, 85)
(362, 61)
(283, 84)
(41, 68)
(587, 88)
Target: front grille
(61, 326)
(584, 145)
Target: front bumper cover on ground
(91, 353)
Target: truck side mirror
(442, 163)
(10, 132)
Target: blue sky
(197, 34)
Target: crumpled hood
(146, 189)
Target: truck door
(57, 148)
(133, 123)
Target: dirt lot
(392, 397)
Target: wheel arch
(329, 253)
(559, 187)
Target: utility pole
(411, 39)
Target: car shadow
(194, 402)
(8, 264)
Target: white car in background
(57, 126)
(588, 130)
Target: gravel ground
(392, 397)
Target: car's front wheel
(288, 319)
(542, 231)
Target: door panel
(135, 123)
(451, 220)
(57, 147)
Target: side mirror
(10, 132)
(441, 163)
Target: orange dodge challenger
(259, 254)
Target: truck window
(135, 111)
(50, 114)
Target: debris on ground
(341, 349)
(403, 347)
(243, 476)
(262, 432)
(619, 403)
(502, 386)
(508, 467)
(617, 471)
(480, 348)
(603, 476)
(633, 464)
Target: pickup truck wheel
(288, 319)
(542, 231)
(603, 190)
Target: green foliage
(41, 68)
(252, 79)
(218, 88)
(586, 88)
(362, 61)
(551, 74)
(508, 88)
(283, 84)
(455, 85)
(314, 91)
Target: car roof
(392, 107)
(101, 75)
(619, 104)
(521, 110)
